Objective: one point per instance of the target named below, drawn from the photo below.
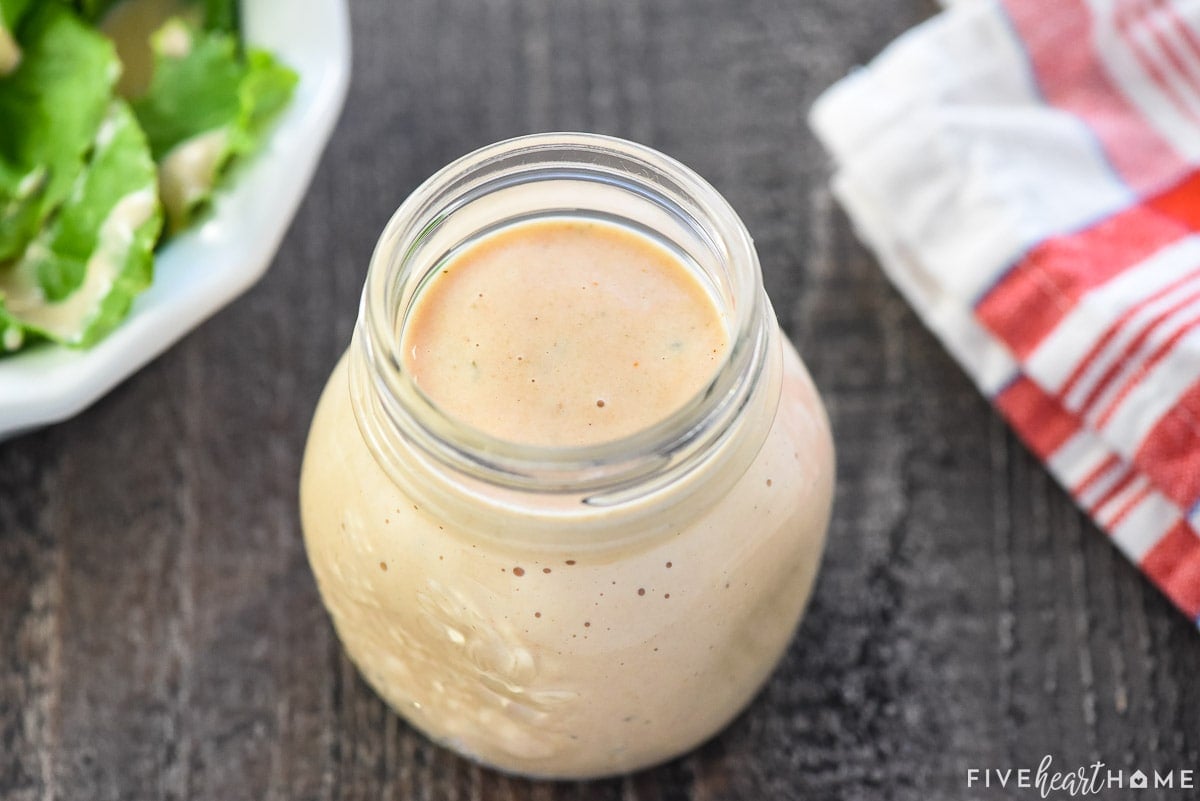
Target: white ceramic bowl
(208, 266)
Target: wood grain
(160, 633)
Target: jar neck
(445, 462)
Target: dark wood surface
(160, 632)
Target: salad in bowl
(152, 153)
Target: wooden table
(160, 632)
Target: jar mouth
(561, 174)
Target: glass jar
(568, 612)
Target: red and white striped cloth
(1028, 172)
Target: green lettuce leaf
(194, 88)
(206, 104)
(266, 91)
(77, 279)
(11, 12)
(50, 108)
(221, 15)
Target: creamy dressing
(32, 182)
(67, 319)
(189, 171)
(110, 126)
(10, 51)
(13, 338)
(563, 332)
(173, 40)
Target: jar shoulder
(340, 473)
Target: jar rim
(661, 450)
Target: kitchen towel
(1028, 172)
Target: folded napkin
(1028, 172)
